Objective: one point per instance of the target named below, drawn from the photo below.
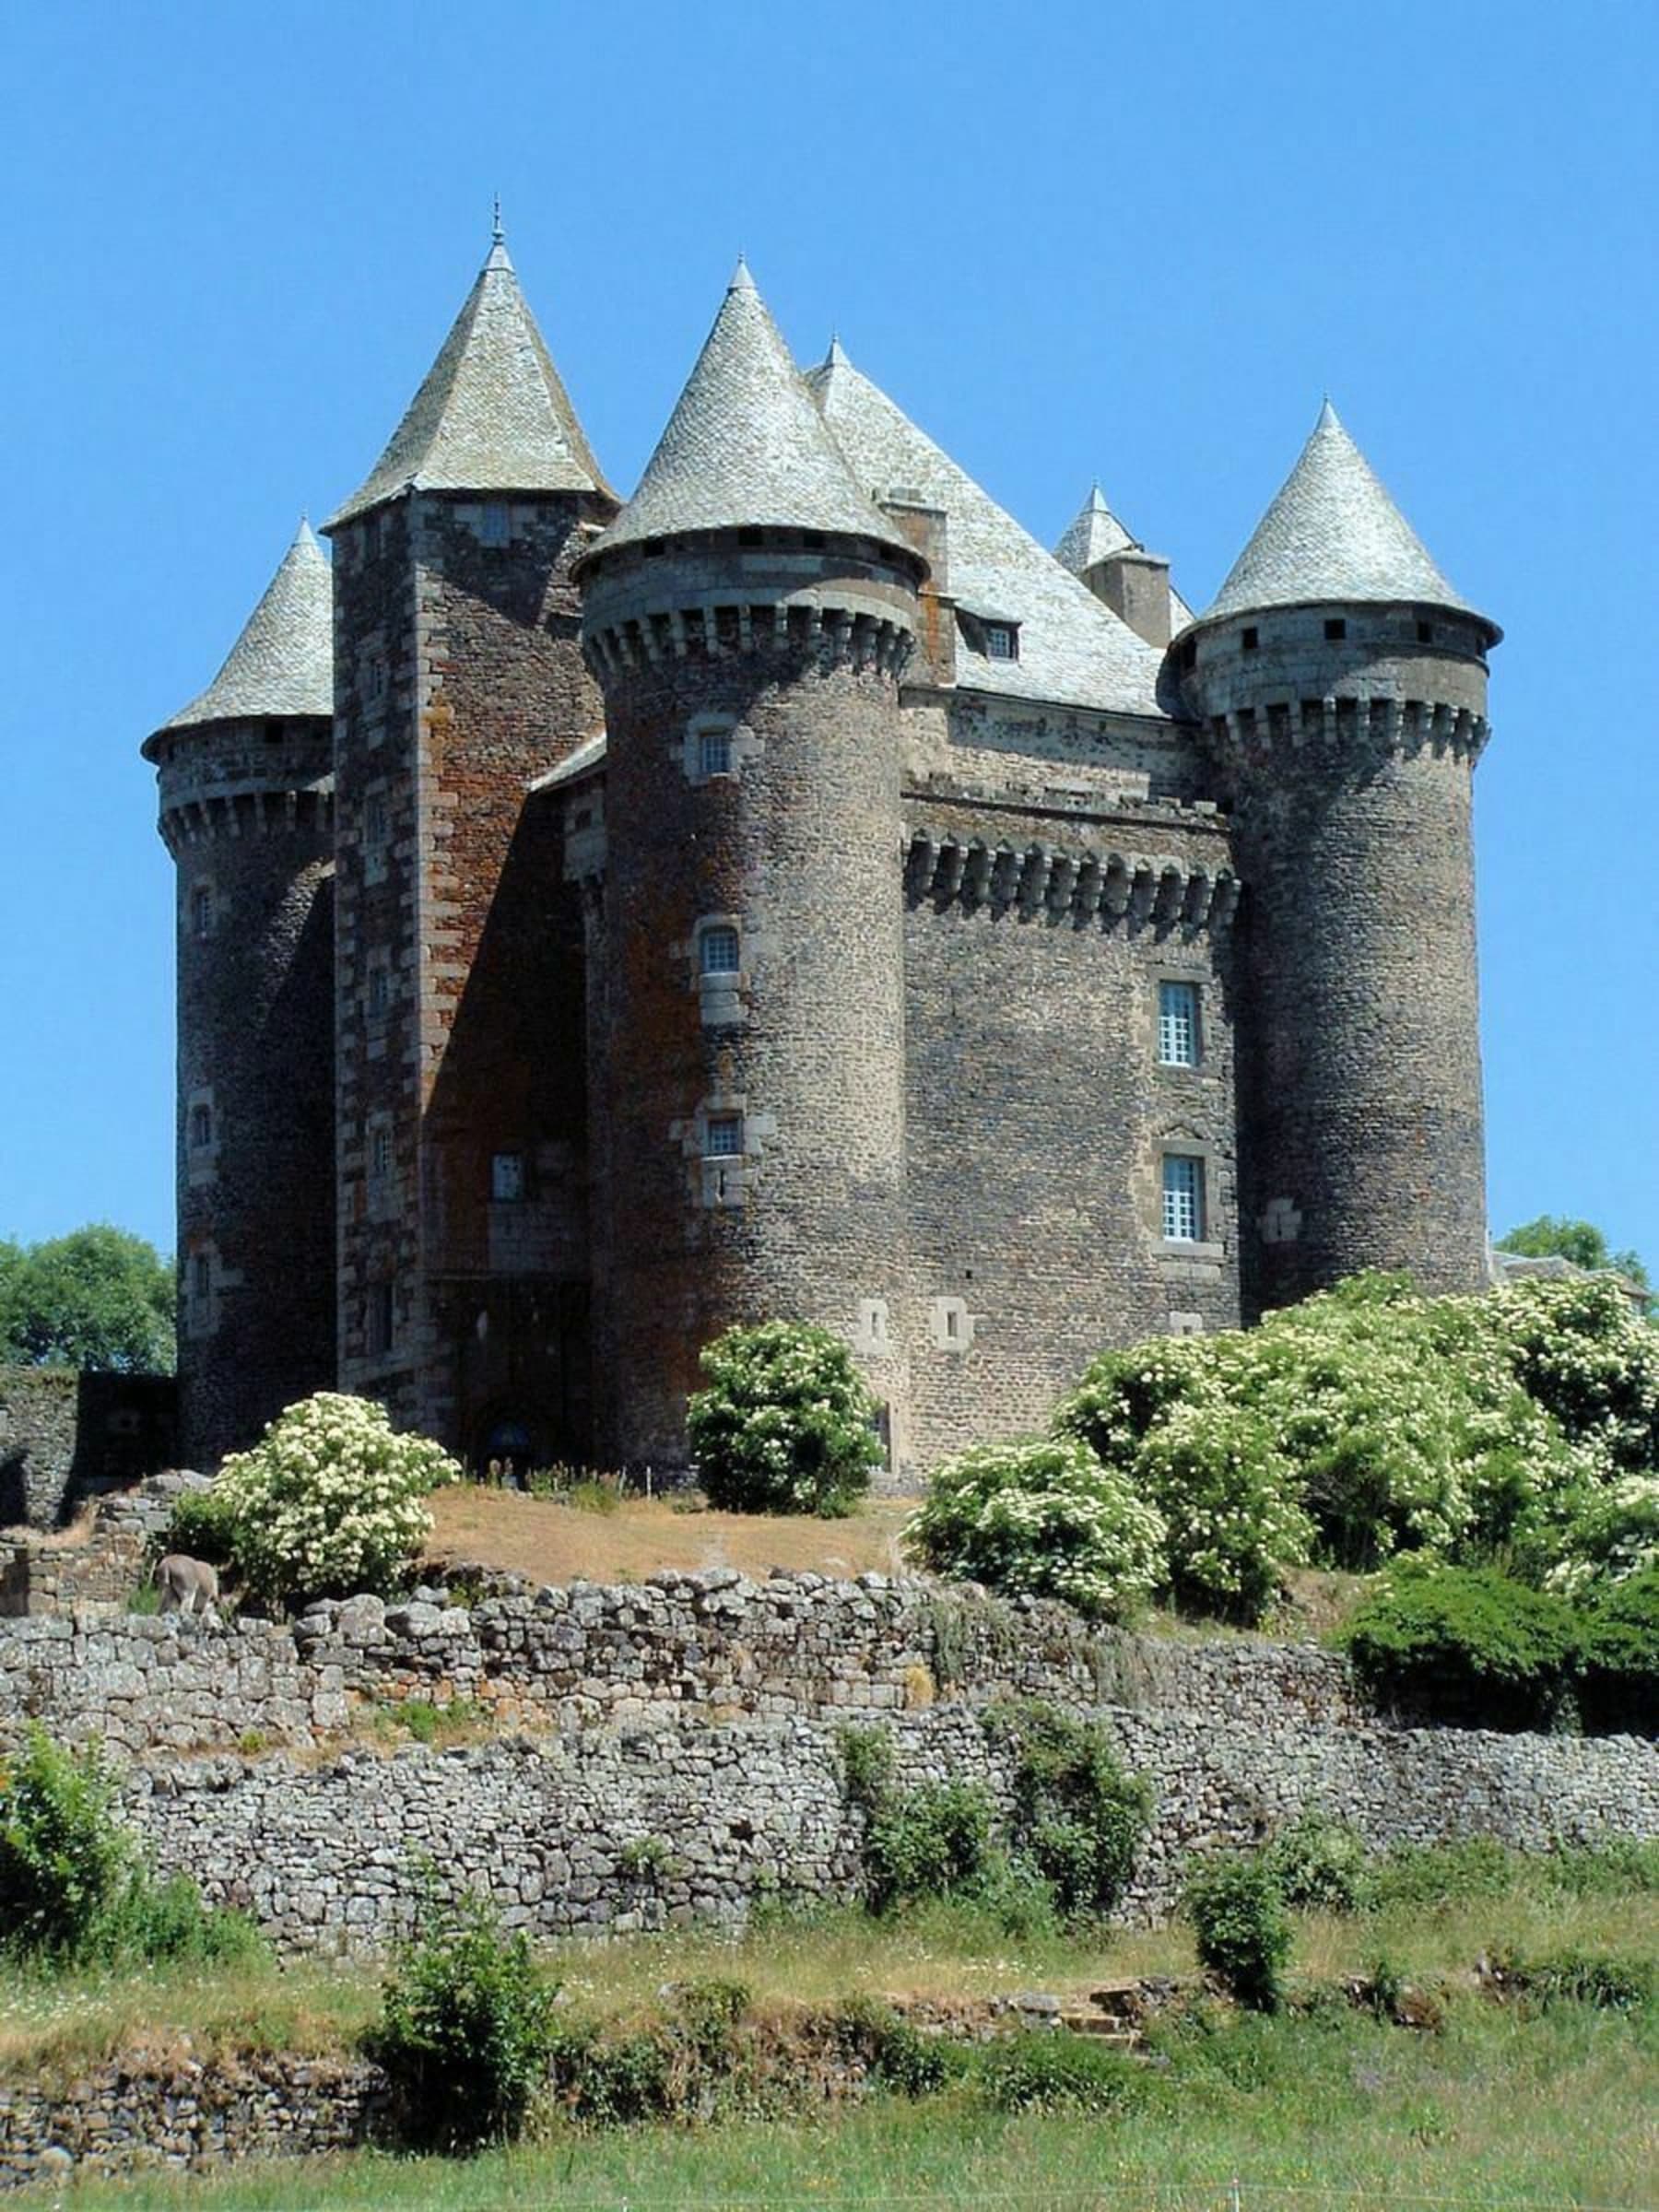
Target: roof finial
(741, 280)
(498, 236)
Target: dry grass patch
(553, 1541)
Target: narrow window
(379, 990)
(724, 1140)
(1189, 654)
(374, 819)
(1248, 640)
(1425, 633)
(1335, 627)
(380, 1154)
(381, 1319)
(719, 949)
(506, 1177)
(201, 911)
(492, 527)
(1177, 1025)
(714, 752)
(1183, 1197)
(201, 1126)
(201, 1281)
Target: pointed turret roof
(282, 662)
(1096, 534)
(1073, 649)
(492, 415)
(1332, 533)
(744, 446)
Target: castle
(794, 891)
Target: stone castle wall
(67, 1436)
(670, 1752)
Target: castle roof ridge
(1332, 534)
(491, 415)
(282, 663)
(746, 447)
(1073, 650)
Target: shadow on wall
(66, 1437)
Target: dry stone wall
(670, 1752)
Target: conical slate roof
(1332, 534)
(492, 415)
(1073, 650)
(282, 662)
(744, 446)
(1095, 536)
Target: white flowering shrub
(785, 1424)
(1041, 1514)
(1522, 1424)
(330, 1501)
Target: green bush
(73, 1885)
(1242, 1931)
(1619, 1691)
(1467, 1645)
(1078, 1818)
(868, 1764)
(1043, 1515)
(330, 1501)
(1619, 1982)
(785, 1424)
(201, 1527)
(65, 1861)
(930, 1842)
(603, 2080)
(1055, 2072)
(1320, 1864)
(1235, 1525)
(465, 2032)
(892, 2052)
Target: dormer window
(1002, 642)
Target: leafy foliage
(329, 1501)
(1465, 1644)
(466, 2029)
(1320, 1866)
(1078, 1818)
(892, 2052)
(1580, 1241)
(785, 1424)
(98, 1298)
(1058, 2073)
(73, 1885)
(1043, 1515)
(1237, 1909)
(1620, 1690)
(930, 1842)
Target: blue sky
(1131, 241)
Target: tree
(1553, 1235)
(98, 1298)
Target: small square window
(1335, 628)
(1425, 633)
(724, 1140)
(1177, 1025)
(506, 1177)
(493, 528)
(1182, 1198)
(714, 752)
(201, 1126)
(1250, 639)
(1000, 641)
(719, 950)
(380, 989)
(201, 911)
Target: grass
(554, 1541)
(1503, 2108)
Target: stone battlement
(1073, 885)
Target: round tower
(246, 810)
(1342, 686)
(747, 615)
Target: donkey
(187, 1585)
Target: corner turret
(1341, 685)
(246, 780)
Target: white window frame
(1182, 1198)
(1176, 1027)
(506, 1178)
(722, 1136)
(722, 936)
(1001, 642)
(713, 752)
